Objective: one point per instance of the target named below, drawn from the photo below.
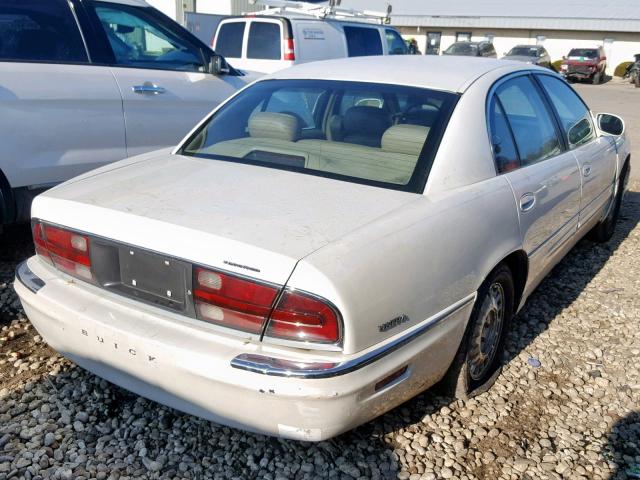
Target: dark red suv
(585, 64)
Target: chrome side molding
(28, 278)
(280, 367)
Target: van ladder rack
(332, 11)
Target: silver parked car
(329, 242)
(532, 54)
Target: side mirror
(610, 124)
(218, 65)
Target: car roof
(476, 42)
(447, 73)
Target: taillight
(40, 243)
(66, 250)
(232, 301)
(304, 318)
(289, 53)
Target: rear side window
(229, 39)
(504, 149)
(363, 41)
(531, 123)
(39, 31)
(574, 116)
(264, 41)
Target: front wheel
(603, 231)
(477, 363)
(595, 80)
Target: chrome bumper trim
(280, 367)
(28, 278)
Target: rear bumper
(579, 74)
(183, 364)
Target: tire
(595, 80)
(478, 361)
(637, 82)
(604, 230)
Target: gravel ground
(567, 404)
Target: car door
(595, 154)
(59, 114)
(162, 72)
(543, 175)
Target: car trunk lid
(246, 219)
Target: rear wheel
(603, 231)
(477, 363)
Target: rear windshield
(462, 48)
(523, 51)
(264, 41)
(382, 135)
(584, 52)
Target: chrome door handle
(148, 88)
(527, 201)
(586, 170)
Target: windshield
(383, 135)
(583, 53)
(462, 48)
(523, 52)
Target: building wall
(176, 8)
(168, 7)
(621, 48)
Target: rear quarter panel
(415, 261)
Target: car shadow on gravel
(623, 447)
(15, 246)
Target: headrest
(365, 121)
(280, 126)
(408, 139)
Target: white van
(278, 38)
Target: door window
(504, 148)
(395, 43)
(363, 41)
(40, 32)
(138, 40)
(229, 39)
(530, 121)
(574, 116)
(264, 41)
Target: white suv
(87, 82)
(270, 42)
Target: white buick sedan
(329, 242)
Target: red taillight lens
(289, 52)
(231, 301)
(40, 243)
(66, 250)
(301, 317)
